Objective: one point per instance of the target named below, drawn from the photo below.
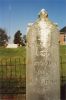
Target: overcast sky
(16, 14)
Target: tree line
(18, 38)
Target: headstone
(42, 70)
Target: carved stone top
(43, 14)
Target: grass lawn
(12, 70)
(9, 53)
(14, 59)
(63, 63)
(63, 60)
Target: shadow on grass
(63, 88)
(63, 92)
(12, 86)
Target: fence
(12, 78)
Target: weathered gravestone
(42, 70)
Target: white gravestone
(42, 70)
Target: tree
(18, 38)
(3, 37)
(24, 37)
(24, 40)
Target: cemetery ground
(6, 53)
(63, 60)
(13, 70)
(12, 73)
(63, 71)
(16, 54)
(12, 62)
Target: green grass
(13, 58)
(63, 60)
(13, 70)
(7, 53)
(62, 50)
(10, 55)
(63, 64)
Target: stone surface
(42, 70)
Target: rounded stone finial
(43, 14)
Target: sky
(16, 14)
